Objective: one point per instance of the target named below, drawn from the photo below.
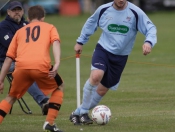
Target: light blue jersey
(119, 28)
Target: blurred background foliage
(77, 7)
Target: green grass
(144, 101)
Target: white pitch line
(113, 117)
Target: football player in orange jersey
(30, 49)
(8, 27)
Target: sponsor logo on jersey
(148, 22)
(128, 18)
(118, 28)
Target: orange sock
(4, 109)
(55, 102)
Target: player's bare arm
(56, 53)
(4, 72)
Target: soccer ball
(101, 114)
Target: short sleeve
(12, 50)
(54, 35)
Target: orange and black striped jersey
(30, 47)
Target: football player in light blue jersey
(120, 21)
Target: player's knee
(55, 106)
(95, 80)
(56, 97)
(96, 76)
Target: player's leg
(89, 87)
(97, 71)
(55, 103)
(111, 77)
(5, 106)
(36, 93)
(98, 95)
(18, 88)
(55, 87)
(80, 115)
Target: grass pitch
(144, 101)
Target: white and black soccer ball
(101, 114)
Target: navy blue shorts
(111, 64)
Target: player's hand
(53, 72)
(1, 87)
(146, 48)
(78, 48)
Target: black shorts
(111, 64)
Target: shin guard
(55, 102)
(4, 109)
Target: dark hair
(36, 12)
